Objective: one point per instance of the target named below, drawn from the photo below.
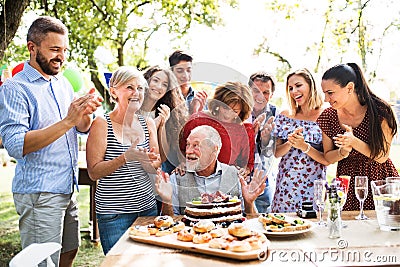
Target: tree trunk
(94, 77)
(10, 19)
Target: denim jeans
(113, 226)
(263, 202)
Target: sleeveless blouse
(356, 164)
(296, 170)
(129, 188)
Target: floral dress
(296, 171)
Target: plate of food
(235, 242)
(278, 224)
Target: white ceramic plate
(255, 225)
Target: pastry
(139, 231)
(239, 230)
(163, 221)
(164, 231)
(202, 238)
(203, 226)
(239, 246)
(185, 235)
(178, 226)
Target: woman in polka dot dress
(358, 129)
(299, 143)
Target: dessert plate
(171, 241)
(255, 225)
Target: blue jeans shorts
(113, 226)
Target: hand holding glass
(361, 189)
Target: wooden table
(361, 244)
(84, 179)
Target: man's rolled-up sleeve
(14, 120)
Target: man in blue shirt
(38, 125)
(263, 88)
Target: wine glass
(319, 198)
(342, 183)
(361, 189)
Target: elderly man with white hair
(205, 174)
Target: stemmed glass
(361, 189)
(342, 183)
(319, 198)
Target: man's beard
(45, 65)
(193, 166)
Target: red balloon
(17, 68)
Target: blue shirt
(189, 97)
(28, 101)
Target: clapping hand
(296, 138)
(143, 155)
(258, 121)
(163, 186)
(180, 169)
(345, 140)
(82, 106)
(250, 191)
(267, 129)
(199, 101)
(244, 172)
(163, 115)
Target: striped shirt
(28, 101)
(129, 188)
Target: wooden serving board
(171, 241)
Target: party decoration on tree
(107, 76)
(75, 78)
(17, 68)
(3, 67)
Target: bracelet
(340, 153)
(307, 149)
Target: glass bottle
(334, 218)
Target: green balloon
(3, 67)
(75, 78)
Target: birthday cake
(217, 207)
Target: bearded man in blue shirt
(38, 125)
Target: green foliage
(348, 29)
(126, 27)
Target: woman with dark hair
(227, 110)
(164, 103)
(358, 129)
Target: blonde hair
(123, 75)
(233, 93)
(315, 99)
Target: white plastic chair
(34, 254)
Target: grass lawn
(90, 254)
